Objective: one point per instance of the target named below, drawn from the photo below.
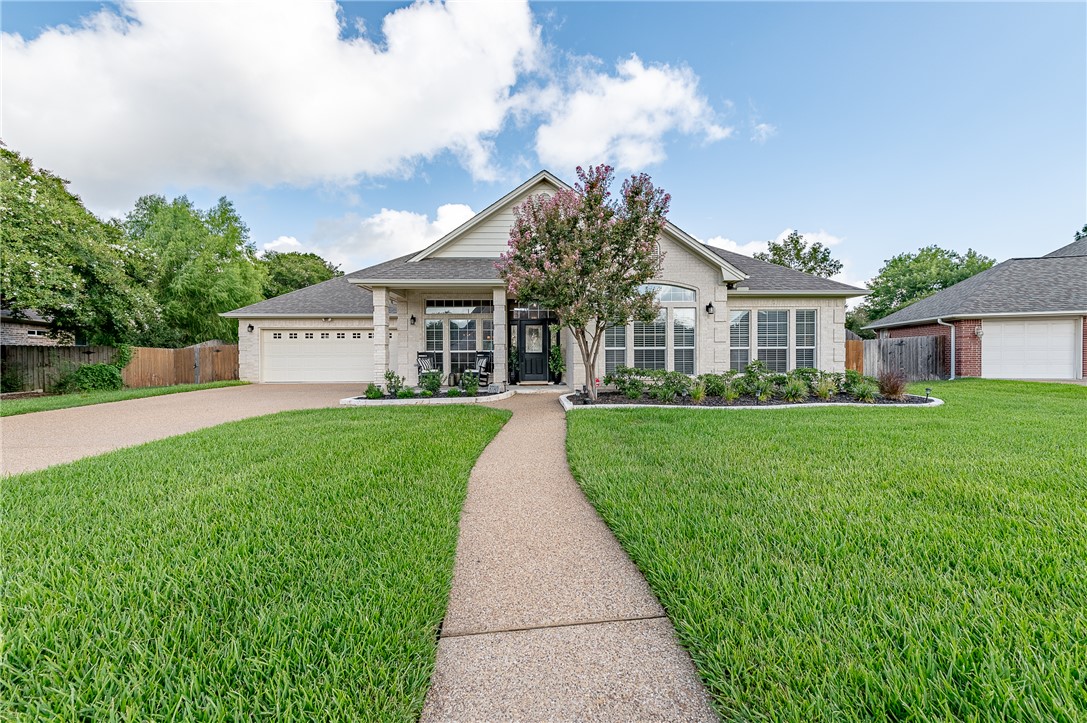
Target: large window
(667, 292)
(805, 338)
(615, 348)
(459, 306)
(650, 343)
(435, 341)
(462, 344)
(739, 335)
(683, 340)
(774, 340)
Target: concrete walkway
(548, 618)
(41, 439)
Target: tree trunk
(583, 347)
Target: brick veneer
(17, 333)
(968, 343)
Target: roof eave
(311, 315)
(844, 293)
(423, 283)
(954, 317)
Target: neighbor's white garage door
(317, 355)
(1029, 349)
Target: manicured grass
(863, 564)
(9, 407)
(289, 567)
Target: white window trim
(796, 338)
(750, 336)
(788, 337)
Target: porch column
(500, 373)
(381, 334)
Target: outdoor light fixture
(928, 391)
(709, 308)
(249, 328)
(327, 318)
(413, 319)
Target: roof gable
(763, 277)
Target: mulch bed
(744, 401)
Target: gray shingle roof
(1016, 286)
(435, 269)
(1076, 248)
(332, 297)
(765, 276)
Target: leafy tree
(60, 260)
(907, 278)
(204, 264)
(1082, 233)
(587, 257)
(292, 270)
(795, 253)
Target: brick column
(500, 373)
(381, 334)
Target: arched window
(667, 292)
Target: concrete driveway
(41, 439)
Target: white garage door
(1034, 349)
(317, 355)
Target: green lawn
(863, 564)
(9, 407)
(294, 566)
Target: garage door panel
(1029, 349)
(317, 355)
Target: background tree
(586, 256)
(1082, 233)
(795, 253)
(292, 270)
(60, 260)
(203, 264)
(907, 278)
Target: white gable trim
(487, 213)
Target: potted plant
(556, 363)
(514, 365)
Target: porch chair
(424, 362)
(481, 371)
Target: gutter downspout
(941, 322)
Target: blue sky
(365, 130)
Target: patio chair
(481, 371)
(425, 362)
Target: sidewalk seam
(552, 626)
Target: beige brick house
(719, 310)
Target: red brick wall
(967, 343)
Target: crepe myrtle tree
(587, 256)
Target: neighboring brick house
(28, 329)
(719, 311)
(1025, 318)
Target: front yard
(26, 405)
(294, 566)
(863, 564)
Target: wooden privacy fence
(854, 355)
(42, 366)
(916, 357)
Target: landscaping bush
(892, 384)
(373, 391)
(732, 391)
(865, 392)
(470, 384)
(752, 374)
(763, 389)
(98, 377)
(426, 393)
(431, 382)
(698, 392)
(627, 382)
(809, 376)
(795, 390)
(824, 388)
(667, 386)
(11, 378)
(454, 392)
(405, 393)
(393, 382)
(715, 383)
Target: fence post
(196, 365)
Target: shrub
(667, 386)
(809, 376)
(471, 384)
(824, 388)
(431, 382)
(453, 392)
(865, 392)
(373, 391)
(393, 382)
(753, 373)
(405, 393)
(698, 392)
(763, 389)
(892, 384)
(627, 382)
(96, 377)
(732, 391)
(853, 379)
(714, 384)
(426, 393)
(795, 390)
(11, 378)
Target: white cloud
(355, 242)
(178, 94)
(763, 132)
(283, 244)
(624, 117)
(748, 249)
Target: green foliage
(763, 389)
(431, 381)
(586, 256)
(627, 381)
(731, 391)
(668, 386)
(470, 384)
(907, 278)
(556, 363)
(61, 261)
(98, 377)
(698, 392)
(865, 392)
(292, 270)
(1081, 234)
(861, 564)
(795, 253)
(202, 265)
(752, 374)
(453, 392)
(851, 381)
(405, 393)
(795, 390)
(122, 356)
(11, 377)
(807, 375)
(856, 320)
(715, 384)
(426, 393)
(373, 391)
(12, 407)
(824, 388)
(240, 572)
(393, 382)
